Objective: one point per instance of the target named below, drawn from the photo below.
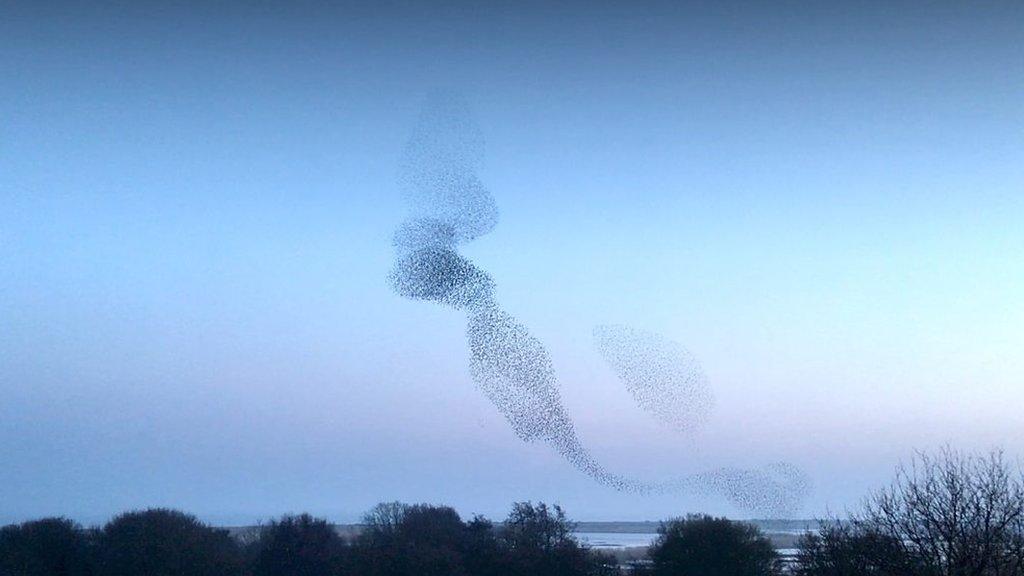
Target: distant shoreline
(783, 534)
(651, 527)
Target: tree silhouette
(539, 541)
(47, 547)
(402, 540)
(299, 546)
(161, 542)
(949, 514)
(704, 546)
(845, 549)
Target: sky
(821, 201)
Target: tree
(417, 540)
(704, 546)
(48, 547)
(424, 540)
(538, 527)
(949, 514)
(845, 549)
(376, 547)
(161, 542)
(299, 546)
(432, 540)
(384, 518)
(953, 514)
(539, 542)
(483, 553)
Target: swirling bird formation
(450, 206)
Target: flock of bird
(449, 206)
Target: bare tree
(538, 526)
(953, 514)
(840, 548)
(385, 518)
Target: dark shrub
(163, 542)
(48, 547)
(299, 546)
(706, 546)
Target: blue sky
(822, 203)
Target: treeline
(946, 515)
(397, 540)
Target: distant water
(615, 540)
(611, 540)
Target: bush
(162, 542)
(299, 546)
(706, 546)
(48, 547)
